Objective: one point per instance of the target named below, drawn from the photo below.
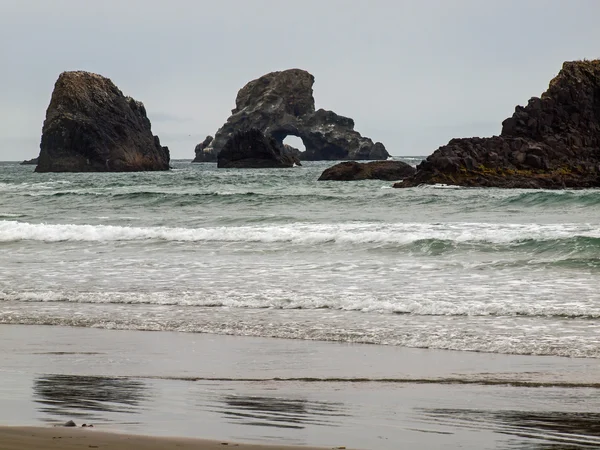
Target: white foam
(429, 304)
(44, 185)
(343, 233)
(497, 334)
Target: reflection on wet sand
(82, 396)
(280, 412)
(549, 430)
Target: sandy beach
(22, 438)
(176, 388)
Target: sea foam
(343, 233)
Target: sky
(411, 73)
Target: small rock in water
(70, 423)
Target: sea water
(276, 253)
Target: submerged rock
(552, 143)
(376, 170)
(91, 126)
(281, 104)
(252, 149)
(30, 162)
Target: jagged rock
(552, 143)
(252, 149)
(30, 162)
(280, 104)
(201, 154)
(376, 170)
(91, 126)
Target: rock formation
(280, 104)
(91, 126)
(30, 162)
(376, 170)
(553, 142)
(201, 155)
(252, 149)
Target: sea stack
(552, 143)
(91, 126)
(253, 150)
(201, 155)
(281, 104)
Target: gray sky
(412, 74)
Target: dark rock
(30, 162)
(281, 104)
(376, 170)
(202, 155)
(91, 126)
(70, 423)
(552, 143)
(252, 149)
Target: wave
(443, 236)
(552, 198)
(505, 338)
(165, 198)
(389, 305)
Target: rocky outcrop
(376, 170)
(553, 142)
(91, 126)
(30, 162)
(253, 150)
(281, 104)
(201, 155)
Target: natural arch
(295, 142)
(281, 104)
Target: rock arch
(280, 104)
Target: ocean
(275, 253)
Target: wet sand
(27, 438)
(262, 391)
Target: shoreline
(172, 390)
(41, 438)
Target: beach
(20, 438)
(279, 392)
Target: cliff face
(280, 104)
(91, 126)
(553, 142)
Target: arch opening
(294, 141)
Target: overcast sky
(412, 74)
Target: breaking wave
(383, 304)
(442, 235)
